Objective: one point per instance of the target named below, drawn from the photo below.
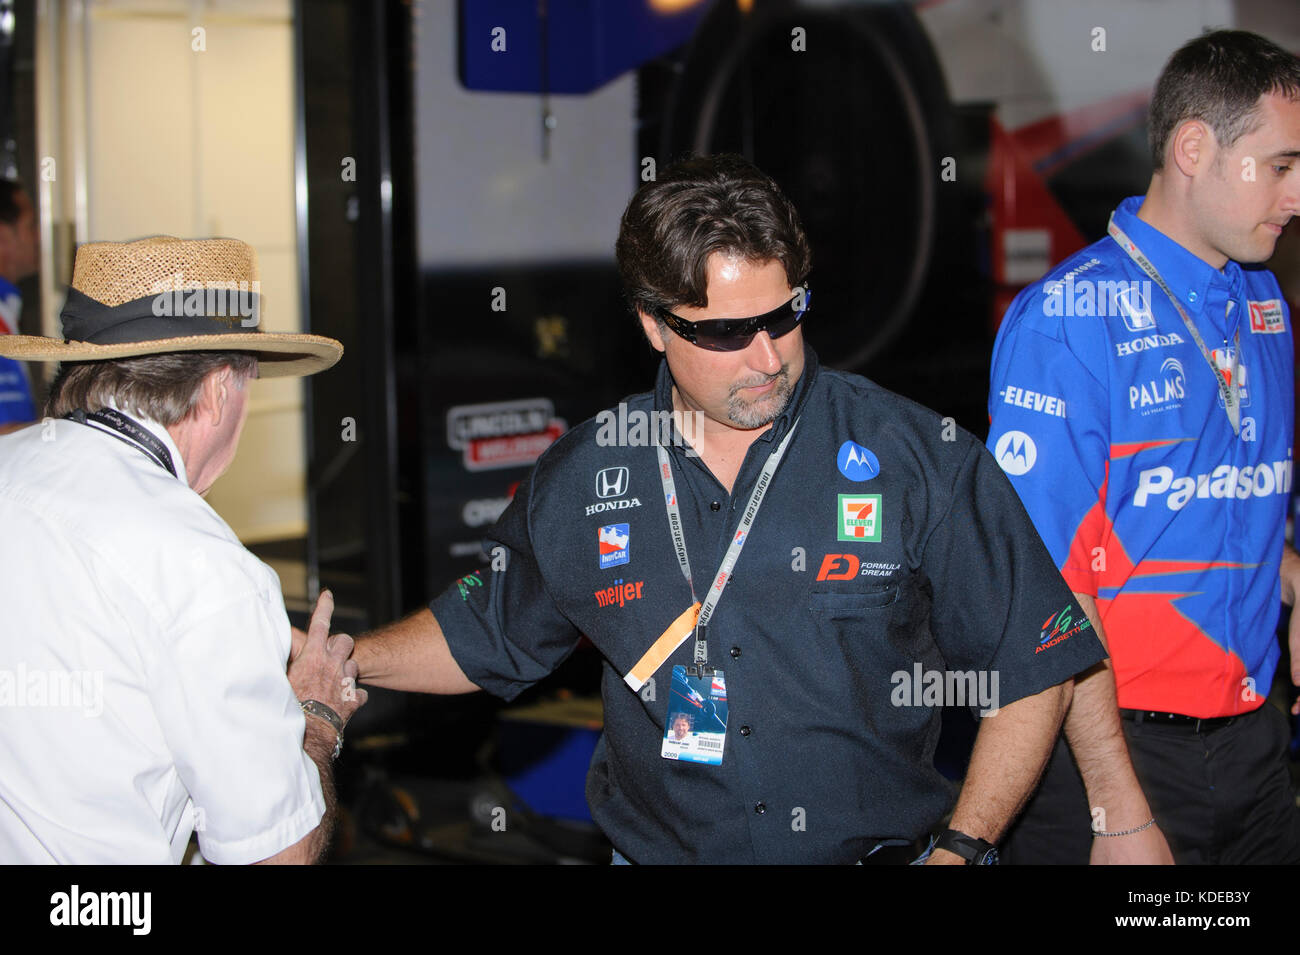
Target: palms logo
(1015, 452)
(1172, 369)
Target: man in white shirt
(143, 685)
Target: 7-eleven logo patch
(859, 518)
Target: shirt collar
(663, 394)
(162, 434)
(1188, 276)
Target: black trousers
(1221, 797)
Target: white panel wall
(200, 143)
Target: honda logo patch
(611, 482)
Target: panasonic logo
(1147, 342)
(1223, 483)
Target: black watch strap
(974, 851)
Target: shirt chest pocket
(841, 604)
(880, 627)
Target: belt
(1193, 724)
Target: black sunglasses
(733, 334)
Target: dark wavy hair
(695, 208)
(1219, 78)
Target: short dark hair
(162, 387)
(1219, 78)
(695, 208)
(10, 190)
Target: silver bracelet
(322, 712)
(1127, 832)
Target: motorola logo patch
(1015, 452)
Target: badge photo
(696, 728)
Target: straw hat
(163, 294)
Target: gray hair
(163, 387)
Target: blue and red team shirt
(15, 391)
(1107, 418)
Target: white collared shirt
(143, 693)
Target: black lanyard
(129, 431)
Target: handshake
(324, 676)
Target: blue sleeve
(15, 393)
(1049, 427)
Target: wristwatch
(321, 711)
(974, 851)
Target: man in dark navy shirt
(806, 564)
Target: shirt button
(715, 506)
(744, 731)
(760, 808)
(1191, 296)
(735, 653)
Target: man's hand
(1092, 728)
(320, 668)
(1293, 642)
(1147, 847)
(1290, 574)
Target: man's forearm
(1092, 728)
(1093, 731)
(319, 740)
(1290, 574)
(412, 655)
(1010, 752)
